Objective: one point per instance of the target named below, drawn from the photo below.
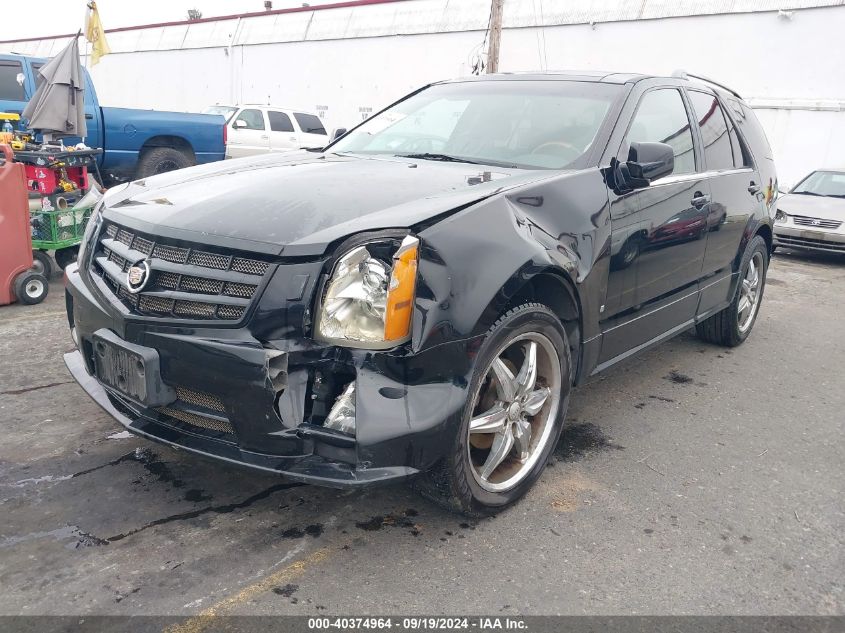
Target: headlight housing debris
(368, 300)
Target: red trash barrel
(15, 231)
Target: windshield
(823, 183)
(226, 111)
(526, 124)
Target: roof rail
(682, 74)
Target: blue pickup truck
(136, 143)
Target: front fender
(475, 261)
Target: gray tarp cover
(57, 107)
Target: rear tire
(160, 160)
(31, 287)
(42, 264)
(488, 468)
(731, 326)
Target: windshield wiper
(807, 193)
(441, 157)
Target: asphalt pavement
(689, 480)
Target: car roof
(678, 77)
(560, 75)
(272, 107)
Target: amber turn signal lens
(400, 294)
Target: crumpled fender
(473, 262)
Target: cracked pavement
(690, 480)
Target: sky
(57, 17)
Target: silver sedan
(812, 215)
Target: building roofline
(322, 7)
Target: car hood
(299, 203)
(825, 208)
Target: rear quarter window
(309, 123)
(750, 128)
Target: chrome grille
(171, 253)
(155, 305)
(816, 222)
(187, 282)
(169, 281)
(204, 286)
(128, 297)
(238, 290)
(117, 259)
(124, 237)
(232, 313)
(142, 245)
(194, 309)
(249, 266)
(209, 260)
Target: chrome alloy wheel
(514, 412)
(749, 293)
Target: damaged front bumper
(262, 404)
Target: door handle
(89, 116)
(753, 188)
(699, 200)
(264, 137)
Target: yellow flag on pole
(96, 34)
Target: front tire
(731, 326)
(511, 422)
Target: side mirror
(338, 133)
(647, 162)
(240, 124)
(20, 78)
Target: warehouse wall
(348, 63)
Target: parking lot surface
(690, 480)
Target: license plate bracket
(132, 370)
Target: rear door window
(10, 89)
(279, 121)
(309, 123)
(718, 148)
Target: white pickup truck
(258, 129)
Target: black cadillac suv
(417, 299)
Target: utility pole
(495, 35)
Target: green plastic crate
(52, 230)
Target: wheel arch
(167, 140)
(551, 287)
(765, 231)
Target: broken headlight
(369, 298)
(91, 228)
